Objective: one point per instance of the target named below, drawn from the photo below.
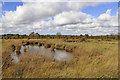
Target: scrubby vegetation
(92, 58)
(81, 37)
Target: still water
(57, 55)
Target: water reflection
(58, 55)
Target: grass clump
(83, 39)
(52, 47)
(60, 46)
(47, 45)
(13, 47)
(93, 59)
(40, 44)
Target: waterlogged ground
(92, 59)
(57, 55)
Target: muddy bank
(52, 46)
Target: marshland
(59, 39)
(60, 56)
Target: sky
(69, 18)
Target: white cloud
(107, 20)
(81, 5)
(32, 12)
(71, 17)
(0, 5)
(67, 18)
(78, 22)
(106, 16)
(118, 16)
(70, 0)
(104, 24)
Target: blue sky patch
(101, 8)
(11, 6)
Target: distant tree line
(58, 35)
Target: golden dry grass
(91, 59)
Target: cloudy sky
(69, 17)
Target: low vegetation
(92, 58)
(67, 38)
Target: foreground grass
(91, 59)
